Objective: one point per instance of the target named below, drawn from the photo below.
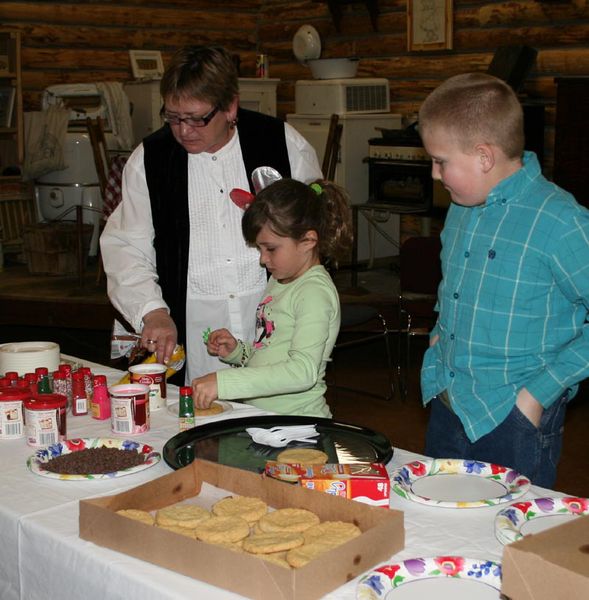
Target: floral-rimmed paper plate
(37, 461)
(499, 484)
(382, 582)
(510, 520)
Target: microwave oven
(342, 96)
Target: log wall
(73, 42)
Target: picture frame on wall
(146, 64)
(7, 96)
(429, 25)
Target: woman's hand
(221, 343)
(159, 334)
(204, 390)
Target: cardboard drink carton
(363, 482)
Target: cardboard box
(382, 533)
(363, 482)
(550, 565)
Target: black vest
(263, 143)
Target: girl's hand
(221, 343)
(204, 390)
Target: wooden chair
(332, 148)
(360, 323)
(102, 163)
(419, 277)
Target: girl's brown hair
(291, 208)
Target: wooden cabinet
(571, 137)
(11, 113)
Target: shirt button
(228, 261)
(456, 295)
(466, 254)
(503, 200)
(492, 254)
(214, 158)
(451, 373)
(231, 296)
(452, 336)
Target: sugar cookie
(338, 532)
(275, 541)
(288, 519)
(250, 509)
(278, 558)
(182, 515)
(222, 530)
(214, 409)
(299, 557)
(303, 456)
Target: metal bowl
(334, 68)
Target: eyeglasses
(190, 121)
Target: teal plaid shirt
(513, 301)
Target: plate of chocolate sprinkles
(92, 458)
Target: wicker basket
(52, 248)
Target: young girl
(296, 228)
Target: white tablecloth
(42, 556)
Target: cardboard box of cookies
(380, 532)
(363, 482)
(548, 565)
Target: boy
(511, 342)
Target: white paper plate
(510, 521)
(437, 577)
(457, 483)
(306, 44)
(37, 461)
(227, 407)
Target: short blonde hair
(476, 108)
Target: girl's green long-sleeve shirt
(297, 324)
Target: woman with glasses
(173, 251)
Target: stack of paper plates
(25, 357)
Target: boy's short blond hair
(476, 108)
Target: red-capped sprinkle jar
(45, 418)
(11, 412)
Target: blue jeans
(516, 443)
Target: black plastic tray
(226, 442)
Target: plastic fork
(281, 436)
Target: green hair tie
(316, 188)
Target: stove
(399, 172)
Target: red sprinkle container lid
(45, 401)
(10, 394)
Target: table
(42, 555)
